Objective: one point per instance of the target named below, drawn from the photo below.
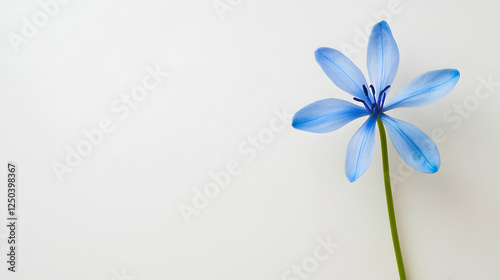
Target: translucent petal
(360, 150)
(413, 145)
(342, 71)
(382, 56)
(327, 115)
(425, 89)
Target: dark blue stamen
(381, 97)
(362, 101)
(365, 90)
(386, 88)
(374, 97)
(374, 107)
(373, 89)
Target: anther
(373, 89)
(365, 90)
(386, 88)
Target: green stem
(390, 203)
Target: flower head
(327, 115)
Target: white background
(116, 215)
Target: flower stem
(390, 203)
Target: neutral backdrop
(237, 70)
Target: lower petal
(360, 150)
(413, 145)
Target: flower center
(376, 105)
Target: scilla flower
(413, 145)
(327, 115)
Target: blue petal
(382, 57)
(413, 145)
(360, 150)
(425, 89)
(342, 71)
(327, 115)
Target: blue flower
(327, 115)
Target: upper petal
(425, 89)
(341, 70)
(360, 150)
(382, 56)
(327, 115)
(413, 145)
